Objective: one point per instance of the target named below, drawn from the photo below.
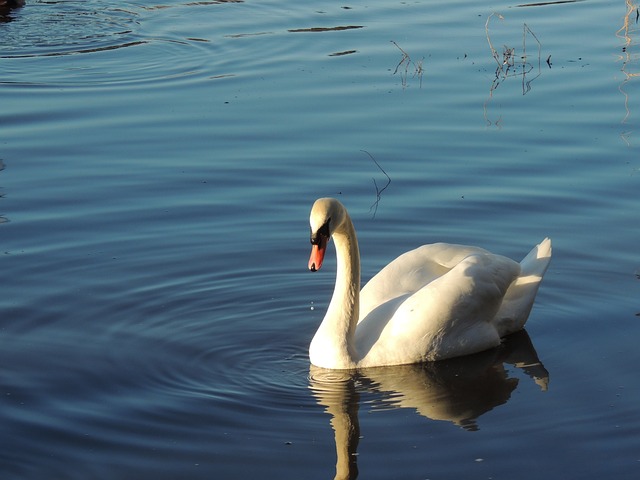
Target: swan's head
(327, 216)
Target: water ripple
(56, 28)
(78, 40)
(196, 349)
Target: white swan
(435, 302)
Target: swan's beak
(318, 249)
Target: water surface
(158, 166)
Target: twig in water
(407, 62)
(374, 205)
(494, 52)
(506, 64)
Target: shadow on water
(457, 391)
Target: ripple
(98, 43)
(173, 359)
(57, 28)
(205, 353)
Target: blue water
(158, 164)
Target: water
(159, 162)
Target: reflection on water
(325, 29)
(457, 391)
(629, 56)
(2, 218)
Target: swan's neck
(333, 344)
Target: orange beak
(317, 253)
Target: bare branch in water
(407, 62)
(374, 205)
(508, 64)
(494, 52)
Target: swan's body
(435, 302)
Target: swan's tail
(518, 300)
(536, 263)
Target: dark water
(158, 165)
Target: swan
(436, 302)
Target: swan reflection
(458, 391)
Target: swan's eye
(323, 232)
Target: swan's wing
(450, 316)
(410, 272)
